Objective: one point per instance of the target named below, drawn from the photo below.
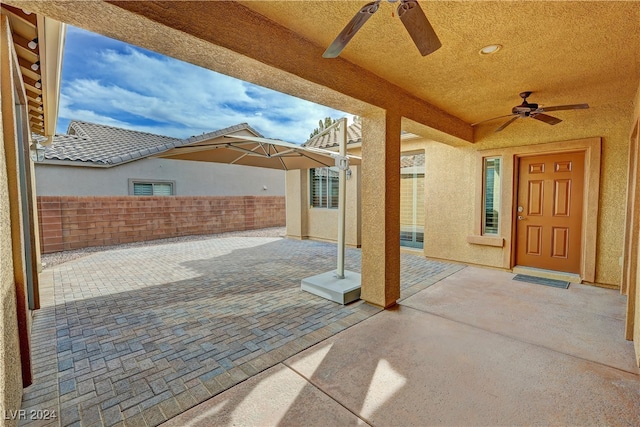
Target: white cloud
(66, 111)
(128, 87)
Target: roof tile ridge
(219, 132)
(124, 129)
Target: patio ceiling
(565, 52)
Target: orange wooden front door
(549, 212)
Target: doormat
(542, 281)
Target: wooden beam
(34, 94)
(31, 82)
(26, 65)
(35, 107)
(18, 40)
(18, 13)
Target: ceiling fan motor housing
(534, 111)
(524, 108)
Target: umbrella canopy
(255, 151)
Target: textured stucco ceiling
(565, 52)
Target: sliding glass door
(412, 200)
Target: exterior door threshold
(547, 274)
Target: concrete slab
(277, 396)
(327, 285)
(583, 321)
(407, 367)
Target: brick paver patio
(136, 336)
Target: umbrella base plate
(328, 286)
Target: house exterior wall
(191, 179)
(306, 222)
(69, 222)
(10, 375)
(453, 173)
(10, 382)
(633, 289)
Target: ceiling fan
(410, 14)
(527, 109)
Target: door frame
(510, 161)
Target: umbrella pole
(342, 198)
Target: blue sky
(112, 83)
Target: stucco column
(381, 208)
(297, 203)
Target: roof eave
(74, 163)
(51, 36)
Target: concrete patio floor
(476, 348)
(136, 336)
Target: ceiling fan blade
(351, 29)
(418, 26)
(493, 118)
(547, 119)
(565, 107)
(507, 123)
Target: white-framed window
(139, 187)
(491, 196)
(324, 188)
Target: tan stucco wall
(449, 206)
(10, 375)
(10, 378)
(636, 307)
(296, 196)
(450, 189)
(451, 173)
(306, 222)
(636, 317)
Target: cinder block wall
(68, 222)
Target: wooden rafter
(24, 31)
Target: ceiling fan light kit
(411, 16)
(490, 49)
(534, 111)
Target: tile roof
(408, 161)
(93, 143)
(220, 132)
(329, 138)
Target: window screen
(324, 188)
(152, 189)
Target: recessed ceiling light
(492, 48)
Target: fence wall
(68, 222)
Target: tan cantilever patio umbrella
(256, 151)
(275, 154)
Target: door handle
(520, 217)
